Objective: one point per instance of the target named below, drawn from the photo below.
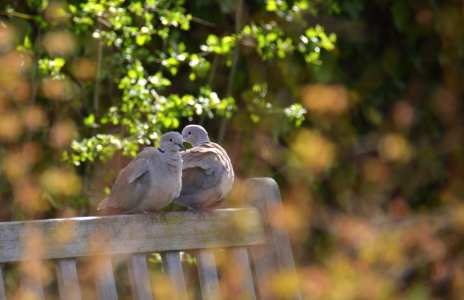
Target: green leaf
(272, 36)
(132, 74)
(141, 39)
(89, 120)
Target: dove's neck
(172, 157)
(200, 141)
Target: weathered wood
(240, 257)
(68, 282)
(265, 264)
(264, 194)
(139, 279)
(33, 284)
(104, 279)
(173, 270)
(208, 274)
(2, 286)
(85, 236)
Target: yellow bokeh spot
(314, 150)
(35, 117)
(325, 99)
(62, 134)
(57, 89)
(29, 196)
(11, 127)
(59, 43)
(61, 181)
(284, 285)
(14, 166)
(84, 69)
(375, 170)
(394, 147)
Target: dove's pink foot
(154, 213)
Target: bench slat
(139, 279)
(85, 236)
(173, 269)
(240, 256)
(104, 280)
(68, 282)
(265, 264)
(32, 284)
(2, 287)
(208, 274)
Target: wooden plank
(104, 279)
(2, 286)
(68, 282)
(240, 257)
(85, 236)
(263, 193)
(173, 269)
(32, 284)
(208, 274)
(265, 264)
(139, 279)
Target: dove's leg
(154, 213)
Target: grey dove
(207, 173)
(149, 182)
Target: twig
(233, 69)
(194, 19)
(96, 94)
(35, 87)
(211, 76)
(203, 22)
(97, 79)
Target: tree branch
(233, 69)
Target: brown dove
(149, 182)
(207, 174)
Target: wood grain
(68, 282)
(32, 283)
(2, 286)
(104, 279)
(208, 274)
(173, 269)
(85, 236)
(139, 279)
(240, 258)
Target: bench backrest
(243, 231)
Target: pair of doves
(197, 178)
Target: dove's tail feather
(109, 211)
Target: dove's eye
(190, 133)
(170, 140)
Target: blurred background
(352, 106)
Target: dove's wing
(132, 183)
(129, 189)
(202, 168)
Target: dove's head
(171, 141)
(195, 135)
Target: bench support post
(276, 255)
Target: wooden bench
(243, 231)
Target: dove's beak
(181, 146)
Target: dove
(207, 173)
(149, 182)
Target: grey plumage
(149, 182)
(207, 173)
